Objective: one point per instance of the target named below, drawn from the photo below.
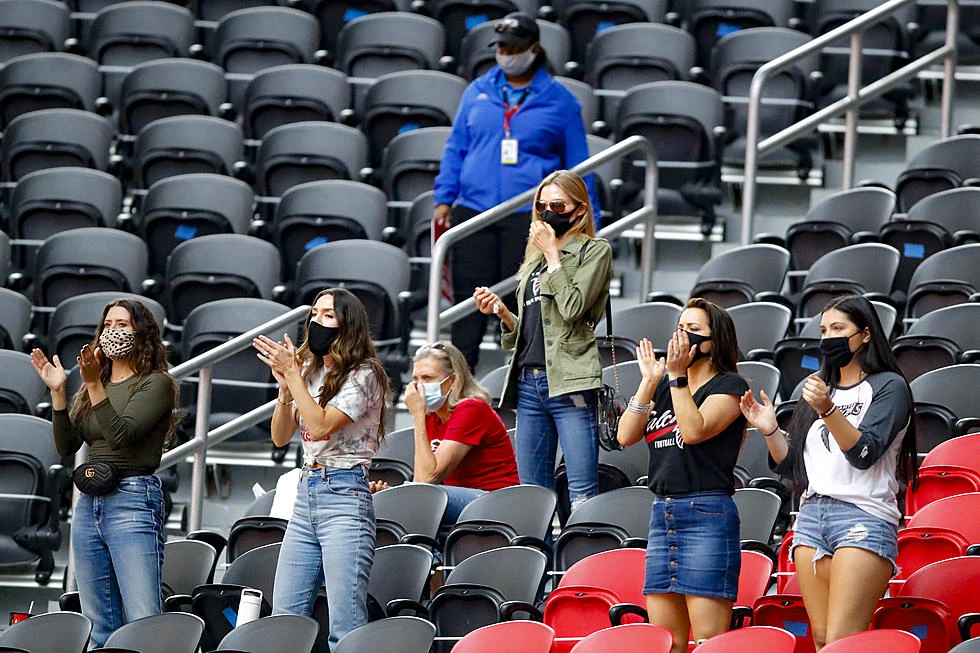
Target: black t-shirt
(532, 333)
(678, 468)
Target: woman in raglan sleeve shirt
(849, 448)
(515, 125)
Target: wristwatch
(679, 382)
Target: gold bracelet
(281, 403)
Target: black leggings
(484, 259)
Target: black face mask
(836, 351)
(319, 338)
(560, 222)
(695, 339)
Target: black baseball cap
(517, 29)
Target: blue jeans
(117, 547)
(330, 539)
(459, 498)
(542, 422)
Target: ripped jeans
(827, 524)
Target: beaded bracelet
(635, 406)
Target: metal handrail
(202, 365)
(647, 212)
(856, 96)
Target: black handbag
(610, 406)
(96, 478)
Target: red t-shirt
(490, 464)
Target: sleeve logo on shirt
(434, 444)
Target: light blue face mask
(434, 399)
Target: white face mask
(515, 65)
(434, 399)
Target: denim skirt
(693, 548)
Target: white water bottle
(249, 606)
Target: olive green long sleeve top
(127, 428)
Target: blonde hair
(574, 187)
(453, 362)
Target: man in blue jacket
(515, 125)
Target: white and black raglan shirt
(880, 407)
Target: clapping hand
(89, 362)
(651, 368)
(279, 356)
(50, 371)
(817, 394)
(761, 416)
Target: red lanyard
(509, 111)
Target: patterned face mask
(117, 343)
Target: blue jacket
(548, 128)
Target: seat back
(412, 634)
(21, 389)
(945, 278)
(171, 632)
(634, 637)
(619, 571)
(293, 93)
(952, 513)
(169, 87)
(399, 571)
(526, 636)
(388, 42)
(278, 632)
(333, 15)
(301, 152)
(941, 166)
(53, 138)
(940, 481)
(252, 39)
(15, 314)
(186, 144)
(411, 162)
(753, 638)
(47, 80)
(948, 581)
(417, 508)
(585, 19)
(54, 632)
(930, 620)
(919, 546)
(32, 26)
(864, 268)
(250, 533)
(50, 201)
(757, 513)
(785, 611)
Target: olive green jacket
(573, 299)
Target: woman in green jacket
(555, 370)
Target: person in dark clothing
(125, 413)
(514, 126)
(687, 410)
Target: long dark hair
(724, 342)
(352, 349)
(149, 356)
(875, 357)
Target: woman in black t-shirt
(690, 419)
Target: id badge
(508, 151)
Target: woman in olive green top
(555, 370)
(124, 412)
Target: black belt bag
(96, 479)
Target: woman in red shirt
(459, 440)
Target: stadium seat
(15, 319)
(919, 546)
(409, 514)
(963, 450)
(611, 520)
(294, 93)
(845, 218)
(759, 326)
(412, 634)
(785, 611)
(308, 151)
(333, 15)
(624, 56)
(760, 376)
(411, 162)
(655, 321)
(21, 389)
(47, 80)
(945, 405)
(51, 201)
(684, 121)
(399, 578)
(174, 632)
(52, 138)
(517, 636)
(76, 319)
(786, 99)
(587, 18)
(74, 262)
(252, 39)
(395, 458)
(946, 336)
(182, 145)
(711, 20)
(289, 631)
(33, 480)
(31, 26)
(512, 516)
(47, 633)
(398, 103)
(389, 42)
(941, 481)
(752, 638)
(169, 87)
(946, 278)
(319, 212)
(179, 208)
(953, 513)
(866, 269)
(209, 268)
(941, 166)
(251, 532)
(896, 641)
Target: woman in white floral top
(333, 388)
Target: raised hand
(486, 301)
(542, 236)
(651, 368)
(89, 362)
(761, 416)
(279, 356)
(50, 371)
(414, 400)
(817, 394)
(680, 353)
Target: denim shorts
(693, 548)
(827, 524)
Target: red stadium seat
(941, 481)
(785, 611)
(635, 638)
(963, 451)
(512, 636)
(957, 513)
(893, 641)
(753, 638)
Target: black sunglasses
(558, 206)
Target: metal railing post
(851, 117)
(749, 187)
(949, 68)
(199, 469)
(648, 251)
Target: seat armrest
(966, 624)
(508, 609)
(177, 603)
(396, 607)
(741, 616)
(533, 542)
(418, 538)
(620, 610)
